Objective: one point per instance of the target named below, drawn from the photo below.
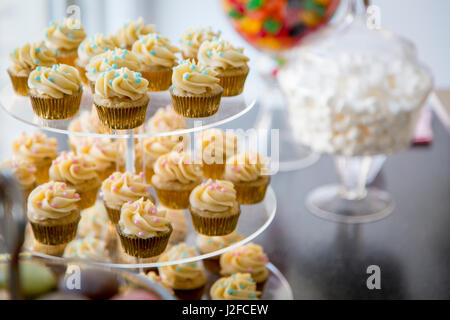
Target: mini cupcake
(110, 60)
(187, 279)
(120, 188)
(192, 38)
(152, 276)
(91, 47)
(55, 92)
(214, 208)
(107, 154)
(53, 213)
(179, 223)
(86, 122)
(217, 147)
(249, 175)
(247, 258)
(175, 177)
(165, 120)
(87, 248)
(207, 244)
(24, 60)
(195, 90)
(38, 150)
(157, 56)
(239, 286)
(143, 231)
(121, 99)
(229, 62)
(130, 32)
(24, 172)
(148, 150)
(79, 173)
(94, 222)
(64, 39)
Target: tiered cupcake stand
(254, 218)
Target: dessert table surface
(326, 260)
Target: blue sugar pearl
(252, 296)
(139, 74)
(250, 280)
(55, 67)
(103, 74)
(186, 76)
(138, 80)
(56, 51)
(186, 264)
(47, 35)
(59, 28)
(189, 42)
(123, 56)
(125, 51)
(94, 70)
(125, 76)
(192, 67)
(108, 70)
(114, 66)
(233, 276)
(50, 79)
(38, 68)
(242, 286)
(220, 54)
(172, 87)
(136, 28)
(194, 265)
(115, 57)
(106, 60)
(105, 48)
(157, 37)
(15, 52)
(142, 40)
(189, 35)
(227, 284)
(209, 53)
(94, 46)
(38, 78)
(178, 269)
(214, 38)
(116, 75)
(152, 52)
(110, 82)
(38, 50)
(36, 61)
(220, 285)
(205, 72)
(125, 25)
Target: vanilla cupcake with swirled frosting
(165, 120)
(195, 90)
(144, 231)
(175, 176)
(239, 286)
(130, 31)
(24, 60)
(148, 150)
(207, 244)
(247, 258)
(79, 172)
(87, 248)
(214, 208)
(179, 223)
(36, 149)
(55, 93)
(249, 174)
(121, 99)
(120, 188)
(53, 213)
(24, 172)
(157, 56)
(110, 60)
(192, 38)
(229, 62)
(186, 276)
(64, 38)
(91, 47)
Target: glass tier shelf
(231, 108)
(254, 219)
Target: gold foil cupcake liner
(54, 234)
(232, 85)
(113, 214)
(82, 72)
(87, 198)
(212, 265)
(213, 171)
(158, 80)
(192, 294)
(122, 118)
(214, 226)
(144, 248)
(248, 194)
(196, 107)
(19, 83)
(56, 109)
(69, 60)
(92, 86)
(173, 199)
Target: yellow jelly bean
(269, 43)
(250, 26)
(310, 18)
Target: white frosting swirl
(155, 50)
(56, 81)
(121, 83)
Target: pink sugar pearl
(141, 234)
(76, 195)
(39, 203)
